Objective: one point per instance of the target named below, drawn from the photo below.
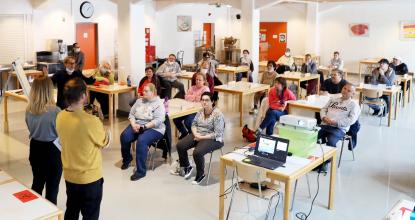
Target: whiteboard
(17, 66)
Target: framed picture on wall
(184, 23)
(407, 30)
(359, 29)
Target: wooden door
(87, 38)
(273, 40)
(207, 34)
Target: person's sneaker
(188, 172)
(125, 166)
(258, 132)
(199, 180)
(384, 113)
(376, 112)
(136, 176)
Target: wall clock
(86, 9)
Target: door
(87, 38)
(273, 40)
(208, 33)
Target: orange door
(273, 40)
(207, 34)
(87, 38)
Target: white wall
(169, 40)
(383, 18)
(295, 16)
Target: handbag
(248, 134)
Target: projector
(298, 121)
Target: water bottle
(128, 80)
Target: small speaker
(238, 16)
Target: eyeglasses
(205, 100)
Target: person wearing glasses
(208, 129)
(61, 77)
(334, 84)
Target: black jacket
(60, 78)
(400, 69)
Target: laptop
(270, 152)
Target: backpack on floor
(248, 134)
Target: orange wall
(207, 28)
(271, 48)
(87, 38)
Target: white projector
(298, 121)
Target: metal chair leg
(210, 163)
(152, 157)
(341, 153)
(292, 202)
(230, 204)
(351, 144)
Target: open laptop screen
(272, 147)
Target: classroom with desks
(207, 109)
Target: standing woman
(278, 97)
(44, 156)
(245, 61)
(208, 128)
(146, 126)
(193, 95)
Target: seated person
(207, 66)
(336, 62)
(146, 126)
(400, 69)
(334, 84)
(208, 128)
(61, 77)
(285, 62)
(148, 78)
(309, 67)
(168, 73)
(245, 60)
(384, 74)
(337, 116)
(268, 77)
(193, 95)
(277, 99)
(103, 76)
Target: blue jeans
(184, 124)
(330, 135)
(144, 139)
(376, 107)
(271, 117)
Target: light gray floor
(365, 189)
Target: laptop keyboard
(264, 162)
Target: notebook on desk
(270, 152)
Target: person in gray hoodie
(338, 115)
(384, 74)
(146, 126)
(168, 73)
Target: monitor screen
(266, 145)
(282, 146)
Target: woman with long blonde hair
(44, 156)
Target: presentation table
(231, 70)
(21, 203)
(300, 77)
(388, 91)
(111, 91)
(294, 168)
(241, 88)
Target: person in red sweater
(277, 98)
(149, 78)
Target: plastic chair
(253, 174)
(373, 97)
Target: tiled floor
(365, 189)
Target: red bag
(248, 134)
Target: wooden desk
(181, 107)
(295, 167)
(241, 88)
(406, 80)
(111, 91)
(300, 77)
(186, 76)
(13, 208)
(309, 107)
(262, 66)
(389, 92)
(370, 65)
(16, 94)
(231, 70)
(300, 59)
(328, 69)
